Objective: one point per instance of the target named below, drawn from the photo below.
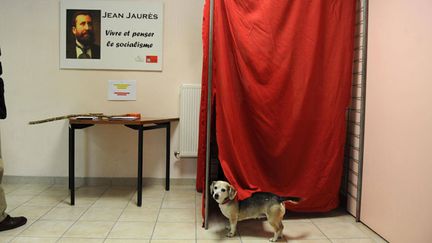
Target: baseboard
(94, 181)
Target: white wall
(36, 88)
(397, 181)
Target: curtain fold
(281, 86)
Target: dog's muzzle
(216, 196)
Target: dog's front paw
(230, 234)
(274, 239)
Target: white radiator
(189, 118)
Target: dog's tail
(293, 200)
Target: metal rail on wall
(209, 99)
(354, 146)
(364, 28)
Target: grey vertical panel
(209, 109)
(356, 115)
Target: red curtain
(281, 85)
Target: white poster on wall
(109, 34)
(121, 90)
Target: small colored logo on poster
(151, 59)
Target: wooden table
(140, 125)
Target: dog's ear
(232, 192)
(211, 187)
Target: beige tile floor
(110, 214)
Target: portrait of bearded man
(82, 28)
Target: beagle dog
(258, 205)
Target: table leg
(167, 156)
(140, 165)
(72, 164)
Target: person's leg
(7, 222)
(2, 194)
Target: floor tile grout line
(351, 223)
(321, 230)
(46, 197)
(80, 215)
(20, 185)
(356, 224)
(33, 196)
(115, 223)
(157, 218)
(50, 208)
(196, 223)
(37, 219)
